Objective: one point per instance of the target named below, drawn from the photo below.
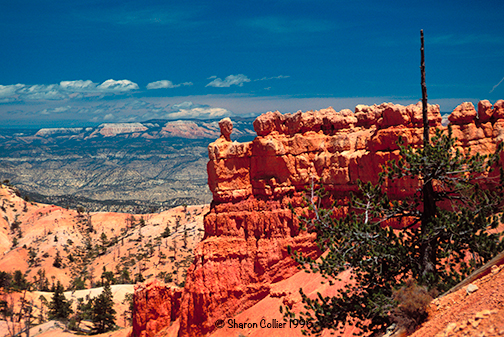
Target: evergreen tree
(436, 254)
(5, 280)
(78, 283)
(19, 281)
(59, 307)
(32, 255)
(103, 313)
(41, 283)
(124, 277)
(107, 277)
(166, 233)
(84, 310)
(447, 232)
(57, 260)
(139, 278)
(104, 240)
(128, 313)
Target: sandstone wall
(249, 226)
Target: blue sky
(88, 62)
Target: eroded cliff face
(250, 224)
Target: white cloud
(229, 81)
(272, 78)
(137, 104)
(461, 39)
(62, 109)
(91, 87)
(107, 86)
(117, 86)
(41, 92)
(63, 90)
(165, 84)
(191, 110)
(8, 93)
(183, 105)
(162, 85)
(57, 110)
(237, 80)
(165, 14)
(495, 86)
(78, 86)
(10, 90)
(201, 113)
(142, 110)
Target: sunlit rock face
(110, 130)
(254, 184)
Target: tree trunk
(424, 93)
(427, 247)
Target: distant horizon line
(96, 125)
(196, 108)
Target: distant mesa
(190, 130)
(112, 129)
(57, 131)
(158, 129)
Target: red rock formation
(249, 226)
(156, 306)
(226, 128)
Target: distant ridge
(122, 167)
(152, 129)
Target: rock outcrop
(156, 306)
(190, 130)
(250, 224)
(112, 129)
(57, 131)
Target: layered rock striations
(250, 224)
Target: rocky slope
(48, 243)
(475, 310)
(33, 234)
(249, 226)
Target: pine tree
(84, 310)
(166, 233)
(103, 312)
(107, 277)
(446, 234)
(59, 307)
(124, 276)
(57, 260)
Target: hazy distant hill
(128, 167)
